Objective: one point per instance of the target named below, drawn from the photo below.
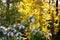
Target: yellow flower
(56, 18)
(44, 29)
(45, 5)
(20, 10)
(48, 16)
(56, 25)
(37, 24)
(26, 1)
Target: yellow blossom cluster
(42, 13)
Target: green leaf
(25, 23)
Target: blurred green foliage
(8, 12)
